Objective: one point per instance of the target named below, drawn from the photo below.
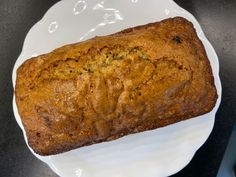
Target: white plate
(155, 153)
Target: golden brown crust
(107, 87)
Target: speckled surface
(111, 86)
(217, 19)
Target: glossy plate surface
(155, 153)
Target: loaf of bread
(107, 87)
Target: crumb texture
(107, 87)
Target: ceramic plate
(155, 153)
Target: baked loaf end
(107, 87)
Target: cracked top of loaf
(104, 88)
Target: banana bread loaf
(107, 87)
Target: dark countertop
(218, 20)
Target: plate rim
(203, 39)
